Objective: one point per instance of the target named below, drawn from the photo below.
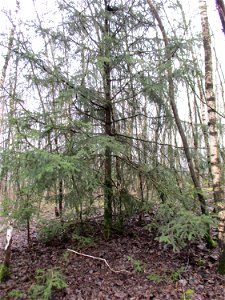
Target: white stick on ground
(99, 258)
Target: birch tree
(210, 99)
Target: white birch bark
(210, 99)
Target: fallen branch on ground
(99, 258)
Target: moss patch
(211, 244)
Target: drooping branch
(173, 105)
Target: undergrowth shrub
(177, 274)
(187, 295)
(83, 241)
(183, 228)
(177, 226)
(15, 294)
(174, 276)
(46, 282)
(50, 230)
(137, 265)
(4, 273)
(155, 278)
(164, 214)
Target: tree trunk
(108, 192)
(213, 132)
(221, 9)
(211, 104)
(4, 172)
(4, 270)
(60, 198)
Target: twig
(99, 258)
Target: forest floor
(141, 267)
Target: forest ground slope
(147, 269)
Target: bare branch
(101, 259)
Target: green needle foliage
(15, 294)
(83, 241)
(155, 278)
(4, 273)
(187, 295)
(176, 275)
(51, 230)
(136, 264)
(46, 282)
(185, 227)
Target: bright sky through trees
(27, 12)
(47, 9)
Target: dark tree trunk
(108, 189)
(221, 9)
(60, 198)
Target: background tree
(96, 116)
(218, 192)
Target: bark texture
(108, 189)
(211, 105)
(221, 9)
(210, 99)
(4, 269)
